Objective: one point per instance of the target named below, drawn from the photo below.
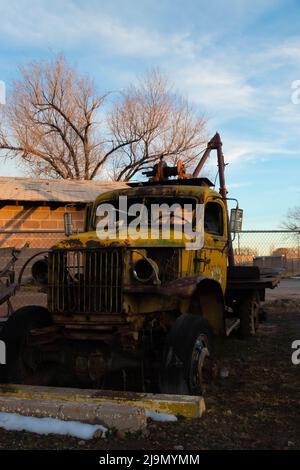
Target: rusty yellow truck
(138, 312)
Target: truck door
(213, 255)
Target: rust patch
(92, 244)
(70, 243)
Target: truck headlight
(145, 270)
(39, 271)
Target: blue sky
(236, 60)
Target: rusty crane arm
(216, 144)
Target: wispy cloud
(216, 86)
(73, 25)
(240, 184)
(239, 150)
(294, 189)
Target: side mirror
(236, 220)
(68, 224)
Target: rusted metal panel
(183, 287)
(182, 182)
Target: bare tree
(56, 124)
(168, 125)
(292, 221)
(52, 118)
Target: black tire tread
(14, 333)
(181, 339)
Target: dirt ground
(256, 407)
(288, 289)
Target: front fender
(184, 287)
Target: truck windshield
(153, 210)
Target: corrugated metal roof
(42, 190)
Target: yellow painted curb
(179, 405)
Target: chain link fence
(265, 248)
(39, 241)
(279, 249)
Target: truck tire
(248, 312)
(186, 363)
(14, 334)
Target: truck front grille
(85, 281)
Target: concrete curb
(112, 415)
(179, 405)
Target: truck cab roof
(193, 187)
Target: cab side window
(213, 219)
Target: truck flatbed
(263, 282)
(252, 277)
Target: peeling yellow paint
(179, 405)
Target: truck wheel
(248, 312)
(20, 367)
(187, 364)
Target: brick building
(31, 210)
